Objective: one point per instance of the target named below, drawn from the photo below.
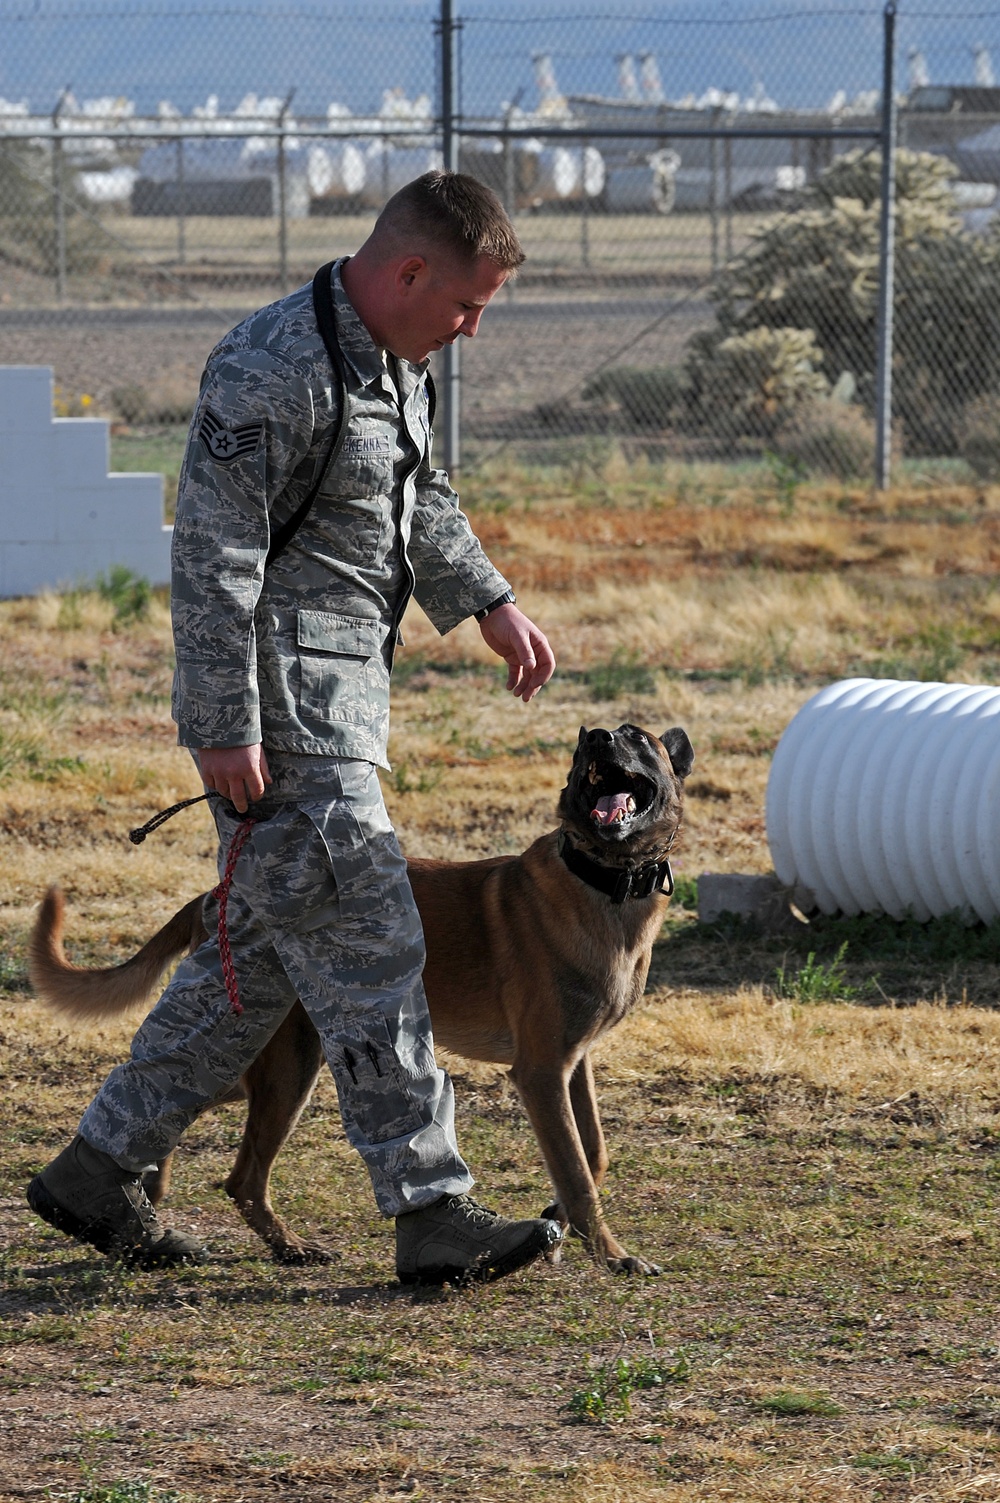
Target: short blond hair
(453, 212)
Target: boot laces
(477, 1214)
(136, 1193)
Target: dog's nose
(600, 738)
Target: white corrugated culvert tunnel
(884, 797)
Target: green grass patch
(791, 1402)
(621, 675)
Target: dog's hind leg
(278, 1085)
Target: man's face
(438, 300)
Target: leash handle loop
(138, 835)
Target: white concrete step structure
(63, 518)
(884, 797)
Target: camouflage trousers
(320, 908)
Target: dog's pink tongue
(612, 807)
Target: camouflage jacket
(299, 657)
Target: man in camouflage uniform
(282, 693)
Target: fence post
(713, 190)
(584, 209)
(887, 261)
(282, 198)
(59, 196)
(452, 386)
(727, 180)
(181, 243)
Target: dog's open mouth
(617, 796)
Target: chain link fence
(699, 198)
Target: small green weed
(622, 674)
(123, 1492)
(928, 656)
(367, 1367)
(13, 976)
(816, 982)
(25, 755)
(787, 474)
(404, 778)
(608, 1395)
(893, 1466)
(767, 661)
(686, 893)
(129, 593)
(789, 1402)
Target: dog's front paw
(630, 1265)
(297, 1253)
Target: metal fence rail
(710, 274)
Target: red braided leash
(221, 892)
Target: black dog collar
(618, 884)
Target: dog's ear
(582, 737)
(679, 750)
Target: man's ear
(408, 273)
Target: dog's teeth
(630, 804)
(593, 774)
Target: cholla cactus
(762, 376)
(815, 271)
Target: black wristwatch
(507, 598)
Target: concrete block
(63, 518)
(29, 568)
(110, 513)
(25, 399)
(29, 513)
(761, 900)
(80, 450)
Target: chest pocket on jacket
(356, 496)
(340, 666)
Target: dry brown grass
(817, 1179)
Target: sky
(799, 54)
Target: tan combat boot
(86, 1194)
(457, 1240)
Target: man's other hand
(529, 658)
(239, 773)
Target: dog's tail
(105, 993)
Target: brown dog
(530, 959)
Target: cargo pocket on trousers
(375, 1096)
(360, 878)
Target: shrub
(168, 400)
(645, 398)
(27, 220)
(980, 444)
(831, 438)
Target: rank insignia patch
(227, 444)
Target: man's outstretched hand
(239, 773)
(529, 658)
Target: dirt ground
(816, 1175)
